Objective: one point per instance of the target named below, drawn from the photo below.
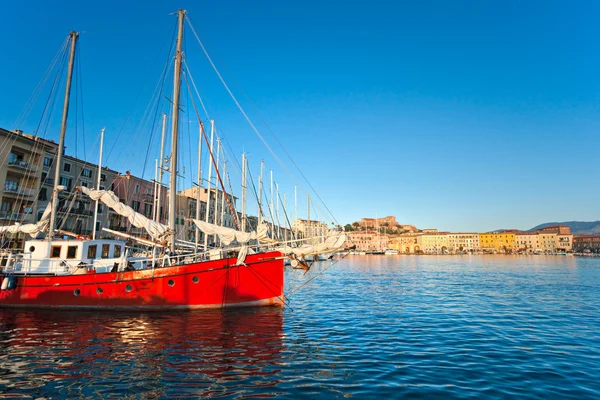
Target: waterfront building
(435, 243)
(586, 244)
(21, 158)
(528, 242)
(463, 242)
(309, 228)
(504, 241)
(368, 240)
(564, 242)
(139, 194)
(407, 243)
(80, 213)
(547, 242)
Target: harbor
(435, 327)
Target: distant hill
(577, 227)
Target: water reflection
(182, 354)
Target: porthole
(77, 292)
(99, 290)
(195, 279)
(171, 282)
(31, 249)
(128, 288)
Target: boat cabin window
(105, 250)
(92, 251)
(117, 251)
(55, 253)
(71, 252)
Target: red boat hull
(209, 284)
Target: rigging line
(252, 124)
(150, 141)
(219, 129)
(24, 114)
(212, 158)
(285, 214)
(142, 88)
(196, 89)
(20, 200)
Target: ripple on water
(410, 327)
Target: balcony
(21, 165)
(17, 191)
(14, 216)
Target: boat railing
(24, 264)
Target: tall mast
(63, 128)
(98, 183)
(260, 192)
(308, 230)
(161, 168)
(210, 152)
(201, 130)
(243, 192)
(175, 128)
(285, 229)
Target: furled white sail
(332, 243)
(228, 235)
(155, 229)
(31, 229)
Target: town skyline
(382, 114)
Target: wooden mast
(63, 128)
(175, 129)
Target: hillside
(577, 227)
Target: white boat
(391, 252)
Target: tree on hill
(348, 228)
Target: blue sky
(464, 115)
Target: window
(47, 161)
(102, 188)
(85, 184)
(135, 205)
(147, 209)
(105, 250)
(98, 225)
(55, 252)
(117, 251)
(66, 182)
(92, 251)
(99, 209)
(137, 189)
(44, 176)
(11, 186)
(103, 177)
(86, 172)
(67, 167)
(71, 252)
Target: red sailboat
(103, 274)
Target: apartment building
(21, 157)
(586, 244)
(75, 214)
(504, 241)
(368, 240)
(407, 243)
(463, 242)
(435, 243)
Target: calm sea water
(385, 326)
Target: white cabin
(68, 256)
